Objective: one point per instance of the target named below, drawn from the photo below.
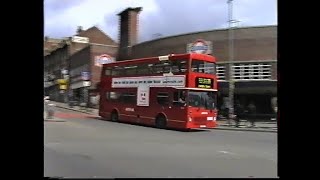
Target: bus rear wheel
(161, 122)
(114, 116)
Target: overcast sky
(165, 17)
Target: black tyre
(114, 116)
(161, 122)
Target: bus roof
(170, 56)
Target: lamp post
(231, 59)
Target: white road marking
(226, 152)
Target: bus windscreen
(202, 99)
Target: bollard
(45, 115)
(48, 110)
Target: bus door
(177, 109)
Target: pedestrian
(239, 111)
(252, 113)
(274, 106)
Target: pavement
(270, 126)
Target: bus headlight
(189, 118)
(211, 118)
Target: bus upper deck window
(114, 72)
(179, 66)
(203, 66)
(108, 72)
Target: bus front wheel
(114, 116)
(161, 122)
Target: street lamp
(231, 59)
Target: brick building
(255, 58)
(87, 60)
(76, 54)
(50, 44)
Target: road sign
(103, 59)
(66, 77)
(64, 71)
(200, 46)
(61, 81)
(85, 75)
(79, 39)
(86, 83)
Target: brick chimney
(128, 34)
(79, 29)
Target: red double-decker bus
(175, 91)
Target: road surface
(79, 146)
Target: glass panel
(108, 72)
(179, 66)
(113, 96)
(179, 98)
(128, 98)
(163, 98)
(203, 67)
(202, 99)
(143, 69)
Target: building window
(76, 71)
(253, 71)
(221, 70)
